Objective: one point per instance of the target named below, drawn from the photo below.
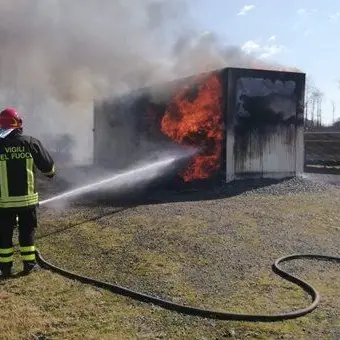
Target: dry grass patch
(213, 254)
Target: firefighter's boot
(6, 271)
(30, 267)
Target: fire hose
(114, 288)
(166, 304)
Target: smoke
(58, 55)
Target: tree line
(313, 110)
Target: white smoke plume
(57, 55)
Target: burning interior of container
(184, 114)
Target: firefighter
(20, 155)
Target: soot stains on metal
(263, 105)
(264, 109)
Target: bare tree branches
(313, 104)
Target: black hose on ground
(204, 312)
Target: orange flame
(195, 119)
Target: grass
(202, 257)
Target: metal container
(246, 123)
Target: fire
(194, 117)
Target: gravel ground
(211, 248)
(296, 185)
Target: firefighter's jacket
(20, 155)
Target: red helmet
(9, 121)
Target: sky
(304, 34)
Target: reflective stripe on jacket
(19, 157)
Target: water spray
(148, 171)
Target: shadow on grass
(204, 191)
(168, 188)
(86, 220)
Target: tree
(309, 90)
(313, 104)
(333, 111)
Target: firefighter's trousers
(27, 223)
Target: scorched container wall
(264, 118)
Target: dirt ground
(211, 250)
